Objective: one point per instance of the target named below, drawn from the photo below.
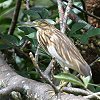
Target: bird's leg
(50, 67)
(37, 52)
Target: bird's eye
(42, 24)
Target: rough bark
(11, 81)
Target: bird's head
(41, 24)
(38, 24)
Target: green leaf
(98, 88)
(34, 15)
(2, 1)
(4, 45)
(31, 35)
(6, 21)
(6, 12)
(86, 80)
(43, 3)
(76, 27)
(6, 3)
(27, 30)
(38, 12)
(92, 32)
(9, 39)
(3, 28)
(69, 78)
(34, 74)
(78, 4)
(84, 39)
(94, 85)
(32, 38)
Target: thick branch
(33, 89)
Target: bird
(60, 47)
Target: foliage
(69, 78)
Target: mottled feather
(62, 48)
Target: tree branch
(61, 12)
(28, 7)
(87, 13)
(65, 18)
(15, 17)
(33, 89)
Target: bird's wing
(63, 48)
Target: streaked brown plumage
(60, 47)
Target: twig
(37, 52)
(87, 13)
(61, 12)
(41, 73)
(68, 8)
(50, 66)
(84, 8)
(28, 7)
(28, 4)
(20, 52)
(81, 92)
(15, 17)
(26, 41)
(94, 61)
(75, 90)
(83, 4)
(92, 95)
(24, 44)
